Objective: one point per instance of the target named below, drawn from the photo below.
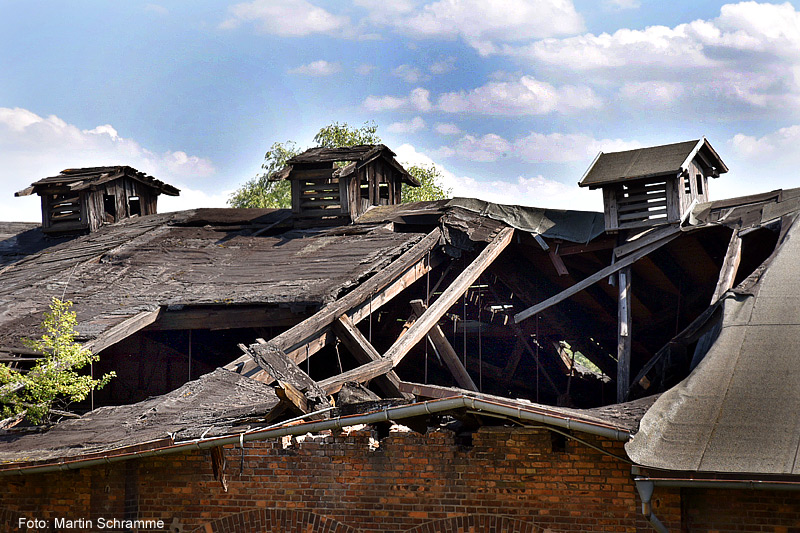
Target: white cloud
(520, 190)
(35, 147)
(534, 147)
(409, 74)
(407, 126)
(157, 9)
(563, 147)
(652, 92)
(317, 68)
(365, 69)
(524, 96)
(417, 100)
(779, 146)
(481, 22)
(746, 59)
(443, 66)
(446, 128)
(623, 4)
(485, 149)
(287, 18)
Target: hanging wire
(480, 338)
(464, 327)
(427, 302)
(372, 295)
(537, 359)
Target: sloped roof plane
(647, 162)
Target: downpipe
(645, 489)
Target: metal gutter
(715, 483)
(387, 414)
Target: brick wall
(509, 480)
(741, 510)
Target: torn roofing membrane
(739, 410)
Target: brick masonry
(507, 480)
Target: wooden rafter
(429, 318)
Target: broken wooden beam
(283, 369)
(452, 293)
(289, 394)
(445, 350)
(594, 278)
(730, 265)
(364, 352)
(624, 334)
(424, 323)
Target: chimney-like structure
(656, 185)
(336, 185)
(83, 199)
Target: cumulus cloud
(485, 149)
(318, 68)
(747, 57)
(534, 147)
(35, 147)
(780, 145)
(409, 74)
(651, 92)
(446, 128)
(483, 22)
(519, 190)
(523, 96)
(287, 18)
(418, 99)
(365, 69)
(407, 126)
(443, 66)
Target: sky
(511, 100)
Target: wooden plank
(594, 278)
(649, 237)
(559, 265)
(639, 206)
(431, 316)
(302, 174)
(359, 374)
(312, 334)
(124, 329)
(364, 352)
(610, 208)
(288, 393)
(623, 217)
(445, 350)
(320, 202)
(281, 368)
(730, 265)
(624, 334)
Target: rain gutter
(385, 415)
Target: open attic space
(417, 367)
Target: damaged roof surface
(192, 257)
(739, 410)
(218, 403)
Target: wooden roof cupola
(656, 185)
(339, 184)
(83, 199)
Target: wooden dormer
(81, 200)
(335, 185)
(656, 185)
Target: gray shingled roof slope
(638, 163)
(739, 410)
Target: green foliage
(54, 377)
(260, 192)
(335, 135)
(429, 189)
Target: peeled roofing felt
(739, 410)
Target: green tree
(260, 192)
(430, 179)
(54, 378)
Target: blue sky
(511, 99)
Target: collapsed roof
(420, 302)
